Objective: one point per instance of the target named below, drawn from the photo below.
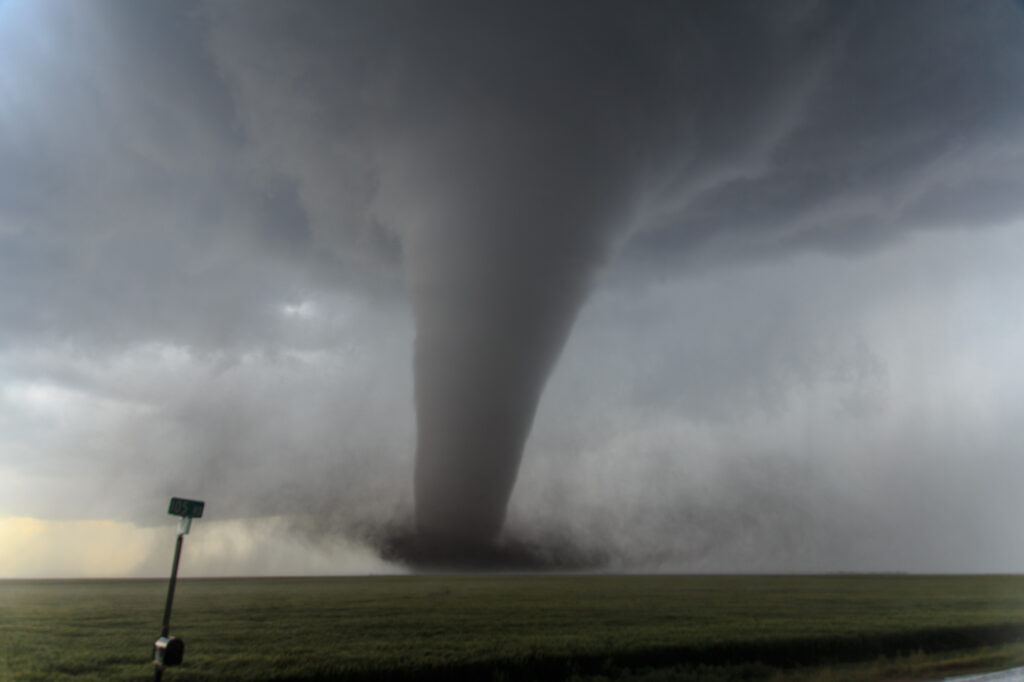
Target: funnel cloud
(539, 126)
(496, 277)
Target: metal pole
(166, 629)
(170, 588)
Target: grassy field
(518, 627)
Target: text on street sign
(189, 508)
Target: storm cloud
(286, 246)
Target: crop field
(510, 627)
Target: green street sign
(192, 509)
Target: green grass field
(498, 627)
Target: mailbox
(168, 651)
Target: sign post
(168, 651)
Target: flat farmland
(511, 627)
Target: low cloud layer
(767, 251)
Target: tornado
(495, 291)
(514, 143)
(506, 180)
(511, 181)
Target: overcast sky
(798, 343)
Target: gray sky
(796, 231)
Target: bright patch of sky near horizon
(102, 549)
